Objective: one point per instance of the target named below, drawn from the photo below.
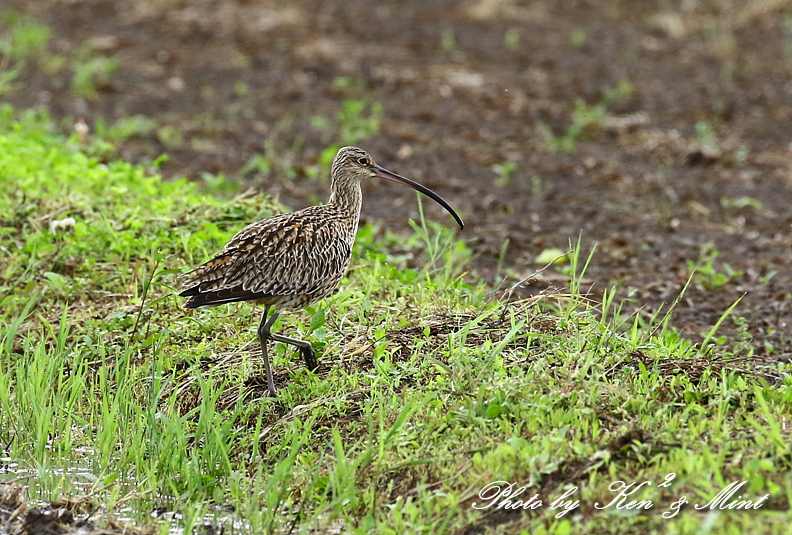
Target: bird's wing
(281, 255)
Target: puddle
(26, 507)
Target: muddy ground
(693, 151)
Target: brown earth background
(653, 128)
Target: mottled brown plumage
(289, 261)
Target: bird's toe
(310, 359)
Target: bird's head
(354, 164)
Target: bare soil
(698, 152)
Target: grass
(429, 388)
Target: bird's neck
(346, 196)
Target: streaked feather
(288, 260)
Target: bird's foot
(309, 356)
(255, 382)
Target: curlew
(289, 261)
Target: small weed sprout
(21, 40)
(126, 128)
(504, 171)
(704, 272)
(706, 138)
(91, 72)
(357, 120)
(169, 136)
(736, 204)
(447, 40)
(577, 37)
(585, 117)
(511, 39)
(26, 39)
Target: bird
(292, 260)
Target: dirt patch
(653, 130)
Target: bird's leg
(306, 349)
(263, 336)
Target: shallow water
(48, 489)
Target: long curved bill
(383, 173)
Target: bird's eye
(363, 161)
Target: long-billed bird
(289, 261)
